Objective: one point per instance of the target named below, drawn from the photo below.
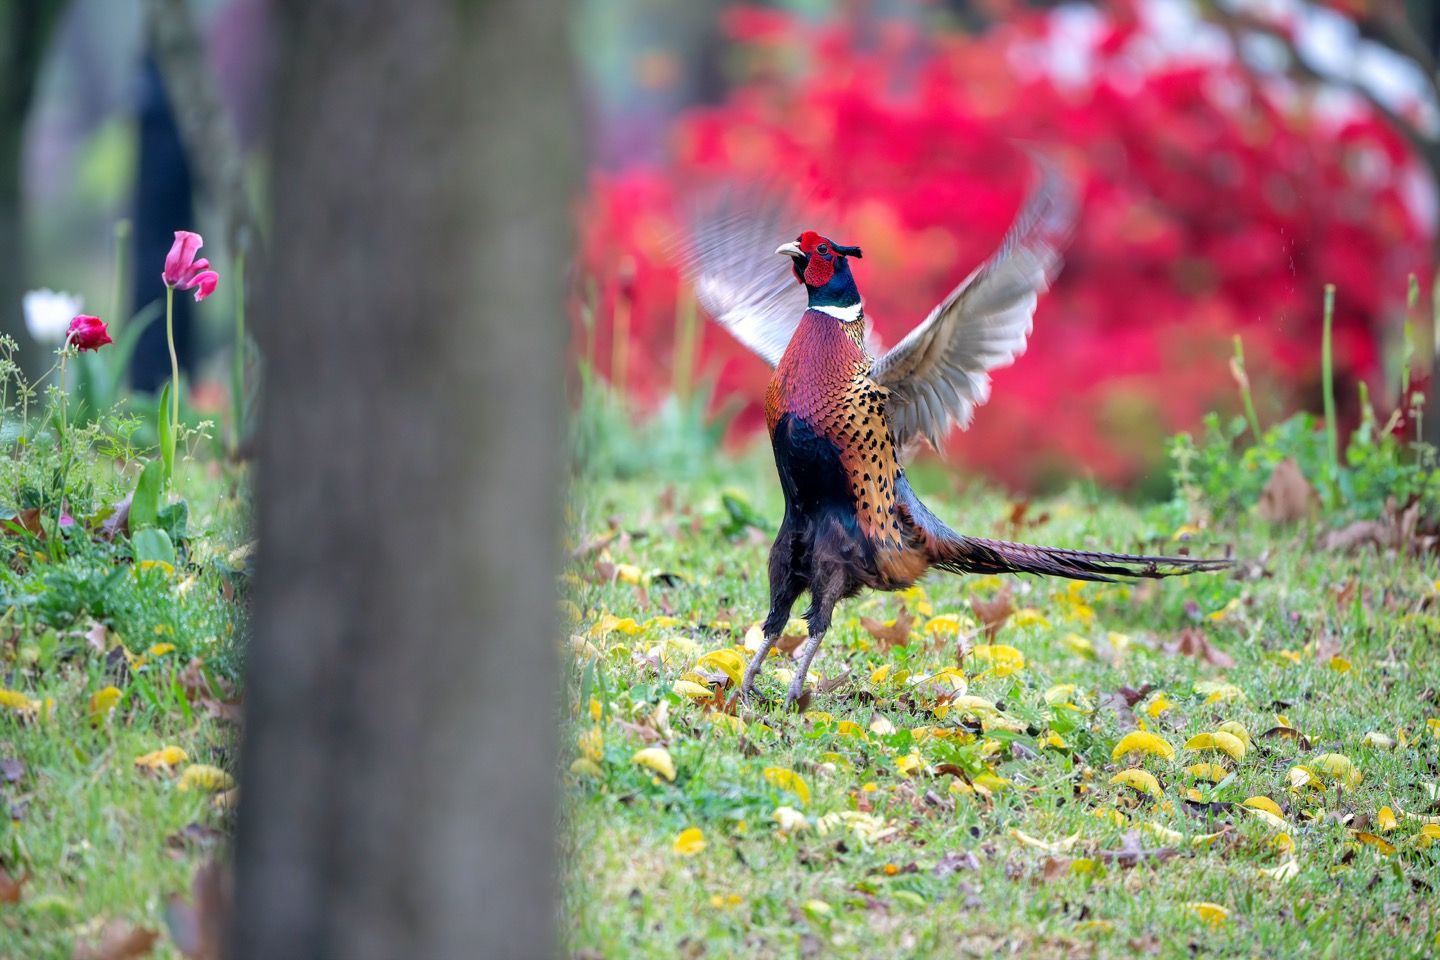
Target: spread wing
(939, 373)
(739, 281)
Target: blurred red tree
(1214, 204)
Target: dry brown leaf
(788, 643)
(953, 862)
(1192, 642)
(119, 940)
(894, 635)
(1054, 868)
(1287, 497)
(993, 612)
(1132, 852)
(10, 887)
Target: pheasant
(839, 419)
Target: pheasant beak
(792, 250)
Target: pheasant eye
(822, 249)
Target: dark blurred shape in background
(162, 200)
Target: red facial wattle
(820, 265)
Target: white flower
(48, 314)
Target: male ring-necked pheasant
(839, 418)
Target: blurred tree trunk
(25, 30)
(398, 771)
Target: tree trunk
(25, 31)
(398, 771)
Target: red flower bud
(87, 333)
(183, 271)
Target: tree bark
(25, 31)
(398, 770)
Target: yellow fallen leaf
(879, 675)
(1302, 776)
(1428, 834)
(790, 819)
(1216, 691)
(817, 909)
(881, 726)
(1206, 839)
(1141, 742)
(657, 759)
(910, 764)
(1283, 873)
(592, 744)
(1266, 804)
(1378, 741)
(1212, 913)
(1237, 729)
(165, 757)
(1274, 820)
(689, 842)
(1283, 842)
(988, 783)
(1078, 645)
(160, 649)
(1207, 771)
(1338, 664)
(1003, 659)
(726, 722)
(1335, 766)
(1158, 705)
(1028, 616)
(1053, 739)
(1110, 815)
(1370, 839)
(788, 780)
(1227, 743)
(14, 700)
(586, 767)
(693, 690)
(849, 728)
(103, 702)
(1049, 846)
(729, 661)
(1385, 818)
(1164, 834)
(1139, 781)
(944, 625)
(202, 776)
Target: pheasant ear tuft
(847, 251)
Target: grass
(96, 837)
(928, 864)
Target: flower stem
(1327, 364)
(174, 362)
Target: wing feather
(730, 258)
(939, 373)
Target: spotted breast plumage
(839, 419)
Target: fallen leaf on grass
(1139, 741)
(657, 759)
(954, 862)
(119, 940)
(890, 635)
(204, 777)
(689, 842)
(1288, 496)
(102, 703)
(11, 887)
(1212, 913)
(788, 780)
(993, 612)
(1133, 852)
(166, 759)
(1192, 642)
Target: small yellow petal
(1385, 817)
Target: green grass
(755, 890)
(99, 838)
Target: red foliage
(1211, 206)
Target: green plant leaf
(166, 435)
(145, 504)
(152, 544)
